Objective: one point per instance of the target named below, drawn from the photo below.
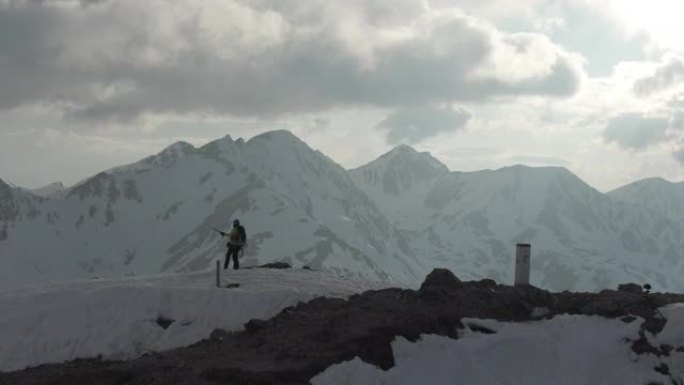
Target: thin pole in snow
(218, 273)
(522, 264)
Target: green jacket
(235, 238)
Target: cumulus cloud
(636, 131)
(119, 60)
(670, 73)
(413, 125)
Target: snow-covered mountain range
(581, 238)
(393, 219)
(157, 215)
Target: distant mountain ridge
(394, 219)
(51, 190)
(157, 215)
(582, 239)
(654, 194)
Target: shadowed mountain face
(392, 219)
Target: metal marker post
(218, 273)
(522, 264)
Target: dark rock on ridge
(303, 340)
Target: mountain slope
(581, 239)
(156, 215)
(17, 207)
(392, 219)
(398, 180)
(56, 189)
(654, 194)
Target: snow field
(117, 318)
(565, 350)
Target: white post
(218, 273)
(522, 264)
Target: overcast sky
(596, 86)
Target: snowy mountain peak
(280, 139)
(179, 147)
(217, 146)
(165, 158)
(519, 168)
(174, 151)
(267, 144)
(407, 154)
(399, 170)
(403, 149)
(226, 142)
(656, 194)
(650, 183)
(658, 180)
(51, 190)
(94, 186)
(278, 136)
(287, 151)
(542, 174)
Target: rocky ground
(304, 340)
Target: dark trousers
(233, 250)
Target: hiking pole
(218, 231)
(218, 261)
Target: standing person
(237, 239)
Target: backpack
(243, 234)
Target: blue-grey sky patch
(596, 37)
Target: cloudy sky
(596, 86)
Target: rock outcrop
(303, 340)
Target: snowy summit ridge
(399, 169)
(393, 219)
